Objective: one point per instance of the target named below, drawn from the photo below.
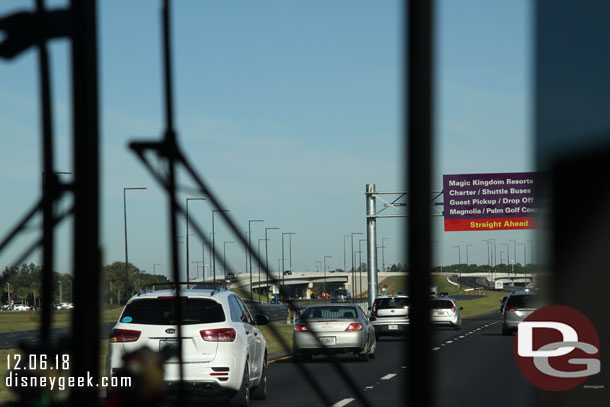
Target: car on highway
(443, 294)
(502, 302)
(390, 315)
(62, 306)
(445, 311)
(6, 307)
(224, 352)
(20, 307)
(517, 307)
(336, 328)
(340, 295)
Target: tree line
(24, 283)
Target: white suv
(224, 353)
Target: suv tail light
(510, 308)
(374, 309)
(354, 327)
(301, 328)
(452, 308)
(218, 335)
(124, 335)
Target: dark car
(340, 295)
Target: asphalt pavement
(474, 367)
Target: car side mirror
(369, 308)
(461, 308)
(261, 319)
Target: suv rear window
(162, 311)
(340, 292)
(441, 304)
(524, 301)
(394, 302)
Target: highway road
(474, 367)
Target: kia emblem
(170, 331)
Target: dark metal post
(419, 53)
(86, 253)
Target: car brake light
(452, 309)
(354, 327)
(510, 308)
(301, 328)
(124, 335)
(218, 335)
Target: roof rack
(215, 286)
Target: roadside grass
(483, 305)
(273, 344)
(245, 295)
(11, 321)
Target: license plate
(168, 343)
(327, 340)
(393, 327)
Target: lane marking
(435, 348)
(278, 359)
(388, 376)
(461, 336)
(449, 342)
(342, 403)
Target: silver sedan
(333, 328)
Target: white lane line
(461, 336)
(388, 376)
(343, 402)
(403, 367)
(449, 342)
(435, 348)
(369, 387)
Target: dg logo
(557, 348)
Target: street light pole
(250, 252)
(283, 277)
(224, 259)
(325, 289)
(214, 244)
(524, 259)
(467, 261)
(360, 265)
(187, 234)
(267, 259)
(383, 252)
(353, 272)
(155, 268)
(459, 262)
(344, 263)
(259, 267)
(125, 223)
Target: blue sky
(287, 109)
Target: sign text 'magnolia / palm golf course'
(489, 201)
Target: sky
(287, 109)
